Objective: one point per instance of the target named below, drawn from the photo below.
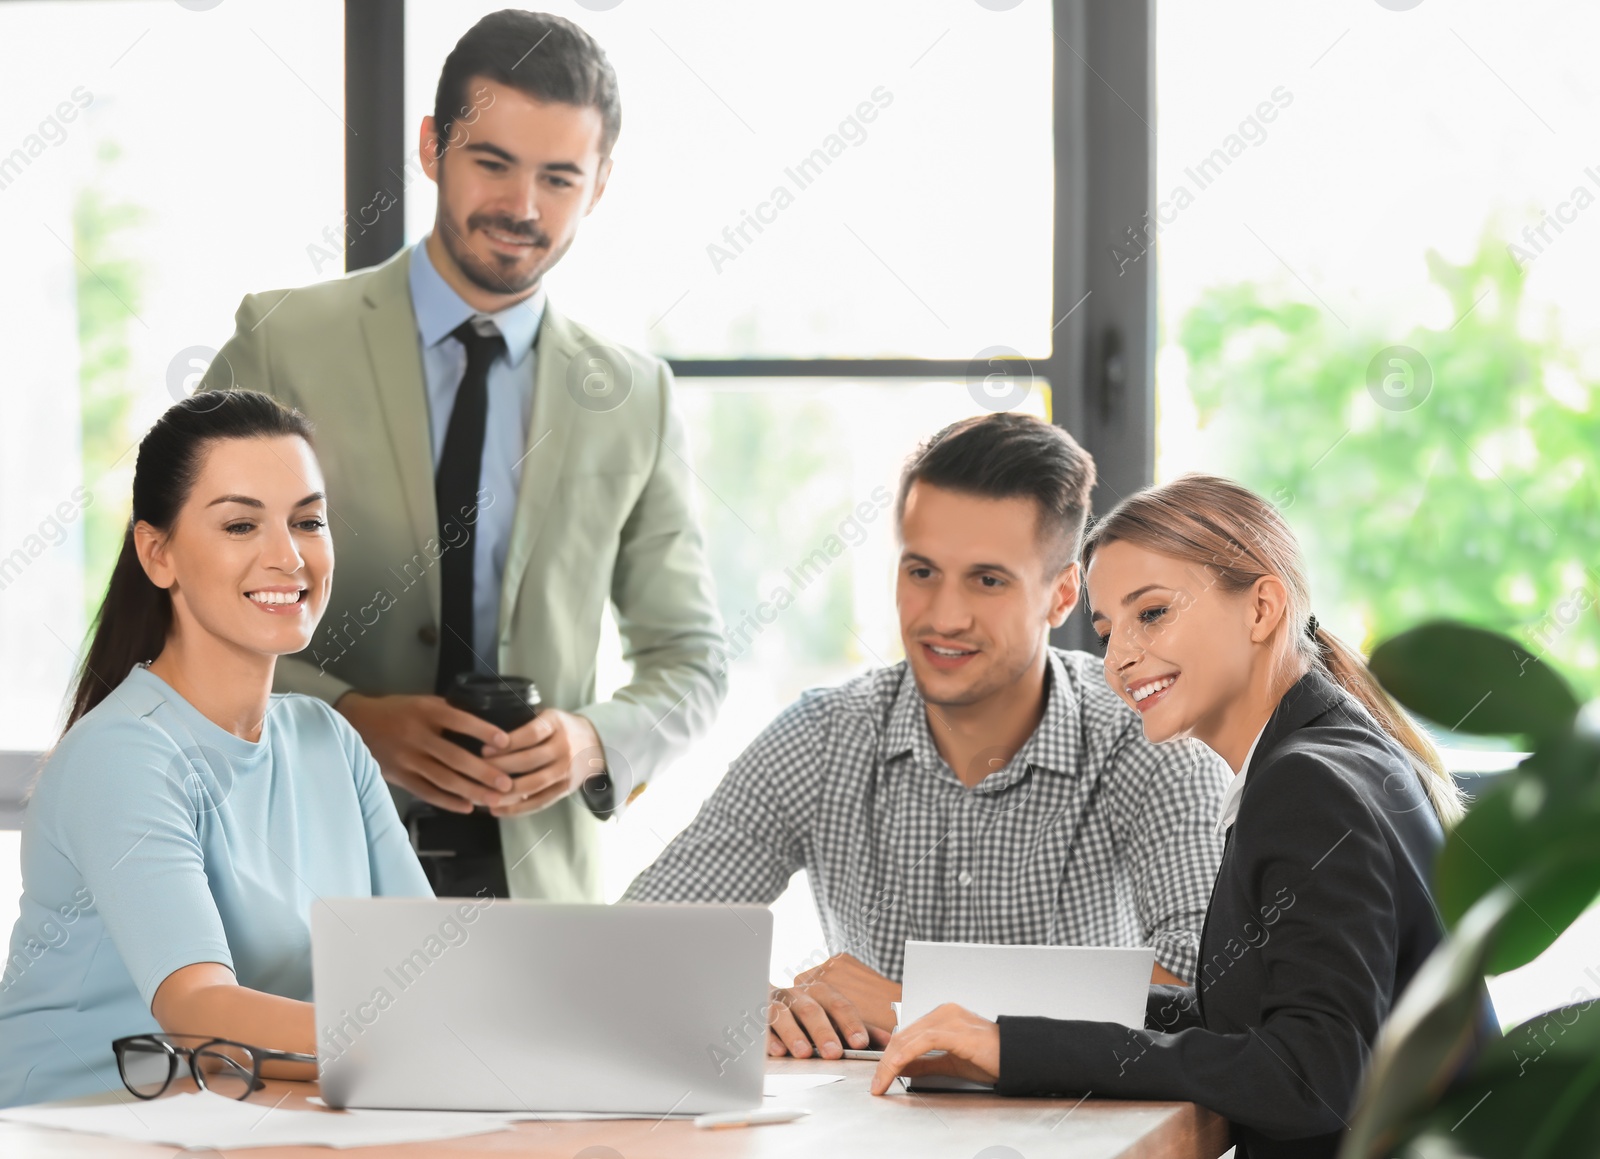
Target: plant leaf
(1535, 1092)
(1485, 848)
(1470, 680)
(1567, 765)
(1519, 831)
(1545, 910)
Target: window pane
(797, 496)
(1377, 250)
(157, 161)
(926, 233)
(1377, 245)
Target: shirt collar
(1308, 698)
(1235, 790)
(439, 309)
(1051, 746)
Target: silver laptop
(463, 1004)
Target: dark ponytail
(136, 615)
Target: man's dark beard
(481, 273)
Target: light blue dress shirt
(157, 839)
(439, 310)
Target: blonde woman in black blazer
(1321, 912)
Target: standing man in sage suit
(497, 472)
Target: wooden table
(846, 1122)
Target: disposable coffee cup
(507, 702)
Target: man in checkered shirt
(989, 788)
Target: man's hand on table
(1161, 976)
(971, 1045)
(841, 1004)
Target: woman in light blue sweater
(187, 819)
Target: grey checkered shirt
(1089, 836)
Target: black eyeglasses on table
(149, 1062)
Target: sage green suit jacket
(604, 511)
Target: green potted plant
(1514, 873)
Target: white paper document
(206, 1120)
(776, 1086)
(222, 1124)
(534, 1116)
(1086, 983)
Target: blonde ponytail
(1346, 668)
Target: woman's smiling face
(1177, 647)
(248, 559)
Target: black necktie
(455, 490)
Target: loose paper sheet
(206, 1120)
(792, 1083)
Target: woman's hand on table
(971, 1048)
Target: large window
(1376, 250)
(1376, 304)
(158, 160)
(835, 179)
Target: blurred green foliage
(1480, 503)
(108, 293)
(770, 458)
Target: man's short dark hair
(1007, 456)
(547, 57)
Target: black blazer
(1319, 917)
